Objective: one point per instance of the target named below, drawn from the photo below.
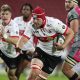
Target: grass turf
(62, 77)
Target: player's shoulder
(77, 9)
(72, 12)
(13, 24)
(18, 18)
(53, 21)
(50, 19)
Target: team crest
(16, 32)
(63, 27)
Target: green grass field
(62, 77)
(57, 78)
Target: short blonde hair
(75, 1)
(5, 7)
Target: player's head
(26, 10)
(6, 13)
(39, 17)
(69, 4)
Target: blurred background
(53, 8)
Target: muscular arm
(74, 25)
(68, 37)
(22, 40)
(12, 40)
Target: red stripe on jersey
(35, 40)
(3, 40)
(26, 36)
(11, 37)
(46, 39)
(65, 31)
(21, 32)
(14, 36)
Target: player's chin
(67, 9)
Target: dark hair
(79, 3)
(27, 4)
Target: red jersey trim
(26, 36)
(65, 31)
(46, 39)
(10, 36)
(15, 36)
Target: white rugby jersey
(22, 26)
(46, 34)
(11, 30)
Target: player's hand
(18, 49)
(59, 46)
(1, 31)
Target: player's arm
(1, 29)
(22, 40)
(68, 37)
(68, 32)
(26, 36)
(7, 38)
(11, 39)
(74, 25)
(13, 35)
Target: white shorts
(62, 53)
(76, 68)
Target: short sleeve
(14, 30)
(59, 26)
(28, 31)
(72, 15)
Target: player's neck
(26, 19)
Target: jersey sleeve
(15, 19)
(28, 32)
(14, 31)
(72, 15)
(59, 27)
